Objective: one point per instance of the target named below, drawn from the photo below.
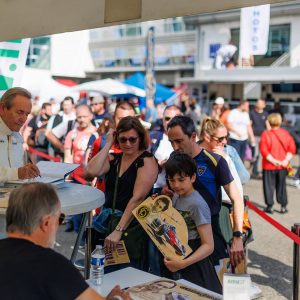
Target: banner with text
(13, 56)
(150, 84)
(254, 30)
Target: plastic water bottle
(97, 265)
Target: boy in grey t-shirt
(197, 267)
(194, 210)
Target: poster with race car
(165, 226)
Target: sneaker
(283, 210)
(268, 210)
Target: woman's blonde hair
(275, 120)
(209, 125)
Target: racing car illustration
(162, 229)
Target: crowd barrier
(44, 155)
(293, 234)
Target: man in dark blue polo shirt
(212, 173)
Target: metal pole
(88, 245)
(296, 265)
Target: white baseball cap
(220, 100)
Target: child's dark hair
(180, 163)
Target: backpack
(40, 138)
(155, 136)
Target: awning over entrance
(20, 19)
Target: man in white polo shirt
(15, 106)
(240, 128)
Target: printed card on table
(170, 290)
(165, 226)
(117, 257)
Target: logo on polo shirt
(201, 170)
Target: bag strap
(279, 141)
(116, 187)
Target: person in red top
(277, 147)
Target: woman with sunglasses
(129, 177)
(214, 137)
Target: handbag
(247, 226)
(134, 236)
(289, 169)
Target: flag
(13, 56)
(254, 30)
(150, 82)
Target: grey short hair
(28, 204)
(8, 97)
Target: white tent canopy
(20, 19)
(109, 87)
(40, 83)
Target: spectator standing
(197, 267)
(212, 173)
(161, 148)
(277, 147)
(77, 139)
(34, 134)
(258, 117)
(67, 114)
(75, 146)
(15, 106)
(129, 176)
(99, 110)
(240, 128)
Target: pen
(30, 161)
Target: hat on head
(219, 100)
(98, 99)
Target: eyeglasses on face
(123, 139)
(61, 218)
(221, 138)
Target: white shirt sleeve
(60, 130)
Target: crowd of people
(197, 161)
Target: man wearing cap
(98, 108)
(15, 106)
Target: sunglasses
(167, 119)
(61, 218)
(131, 140)
(221, 138)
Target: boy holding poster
(197, 267)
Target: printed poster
(166, 289)
(165, 226)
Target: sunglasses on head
(61, 218)
(123, 140)
(221, 138)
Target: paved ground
(270, 255)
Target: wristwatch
(237, 234)
(119, 228)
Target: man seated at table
(15, 106)
(29, 268)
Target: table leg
(79, 236)
(88, 246)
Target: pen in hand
(30, 161)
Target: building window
(39, 53)
(278, 41)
